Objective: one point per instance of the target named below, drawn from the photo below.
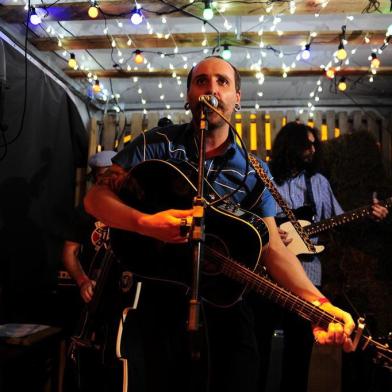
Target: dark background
(37, 182)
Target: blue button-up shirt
(224, 172)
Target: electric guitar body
(305, 219)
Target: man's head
(214, 76)
(164, 122)
(237, 77)
(100, 162)
(296, 147)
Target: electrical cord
(242, 183)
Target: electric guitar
(297, 246)
(233, 247)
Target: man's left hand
(337, 333)
(379, 212)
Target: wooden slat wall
(329, 122)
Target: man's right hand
(284, 236)
(87, 290)
(166, 225)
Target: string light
(139, 58)
(72, 61)
(330, 73)
(137, 16)
(342, 85)
(208, 14)
(35, 19)
(96, 87)
(306, 52)
(226, 54)
(341, 54)
(389, 30)
(93, 10)
(374, 60)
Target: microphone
(211, 99)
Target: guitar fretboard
(287, 300)
(342, 219)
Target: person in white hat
(86, 235)
(83, 253)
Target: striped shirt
(224, 172)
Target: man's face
(308, 153)
(213, 76)
(99, 172)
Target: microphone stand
(197, 236)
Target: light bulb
(341, 54)
(330, 73)
(138, 59)
(226, 54)
(342, 85)
(208, 14)
(35, 19)
(375, 63)
(96, 87)
(137, 16)
(389, 30)
(93, 11)
(306, 52)
(72, 61)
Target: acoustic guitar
(235, 239)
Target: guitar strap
(283, 205)
(309, 193)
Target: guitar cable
(243, 182)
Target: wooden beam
(196, 39)
(244, 72)
(154, 9)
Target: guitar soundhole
(214, 245)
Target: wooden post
(245, 120)
(260, 130)
(373, 125)
(330, 119)
(110, 124)
(136, 124)
(291, 115)
(357, 121)
(304, 117)
(318, 119)
(152, 119)
(276, 123)
(343, 123)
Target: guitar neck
(289, 301)
(275, 293)
(342, 219)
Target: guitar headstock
(382, 354)
(381, 350)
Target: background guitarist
(295, 160)
(157, 340)
(86, 235)
(83, 252)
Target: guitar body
(297, 246)
(156, 185)
(234, 243)
(305, 216)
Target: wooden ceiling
(80, 33)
